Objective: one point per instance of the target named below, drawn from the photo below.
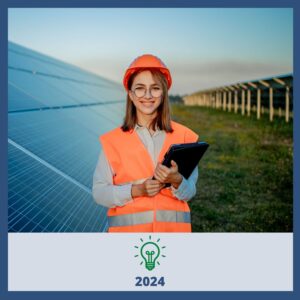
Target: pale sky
(203, 48)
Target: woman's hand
(149, 187)
(168, 175)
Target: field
(245, 179)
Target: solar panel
(21, 57)
(56, 113)
(41, 199)
(19, 99)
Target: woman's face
(148, 104)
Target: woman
(133, 153)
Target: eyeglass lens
(154, 91)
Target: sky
(202, 47)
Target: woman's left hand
(168, 175)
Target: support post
(287, 104)
(258, 104)
(248, 103)
(224, 101)
(235, 101)
(271, 111)
(243, 102)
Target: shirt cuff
(182, 190)
(122, 194)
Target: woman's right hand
(149, 188)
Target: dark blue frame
(4, 294)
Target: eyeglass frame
(146, 90)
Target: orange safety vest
(131, 161)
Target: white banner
(152, 262)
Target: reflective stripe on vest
(173, 216)
(147, 217)
(131, 219)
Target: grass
(245, 179)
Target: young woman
(132, 155)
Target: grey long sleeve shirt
(109, 195)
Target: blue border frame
(4, 5)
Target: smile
(148, 103)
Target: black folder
(187, 157)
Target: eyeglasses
(155, 92)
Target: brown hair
(163, 118)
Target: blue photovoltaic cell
(34, 75)
(65, 138)
(19, 99)
(34, 86)
(42, 200)
(21, 57)
(56, 113)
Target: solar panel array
(56, 112)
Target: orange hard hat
(147, 61)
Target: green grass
(245, 179)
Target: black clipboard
(187, 157)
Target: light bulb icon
(150, 253)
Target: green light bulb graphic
(150, 253)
